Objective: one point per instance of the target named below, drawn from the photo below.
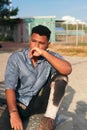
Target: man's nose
(37, 44)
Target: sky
(58, 8)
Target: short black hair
(42, 31)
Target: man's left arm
(62, 66)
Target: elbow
(69, 69)
(66, 69)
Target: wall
(22, 31)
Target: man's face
(38, 41)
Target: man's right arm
(15, 119)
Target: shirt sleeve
(53, 70)
(11, 74)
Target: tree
(6, 22)
(5, 12)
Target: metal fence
(71, 37)
(68, 32)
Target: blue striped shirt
(24, 78)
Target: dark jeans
(38, 104)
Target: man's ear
(49, 44)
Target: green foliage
(9, 22)
(5, 38)
(5, 11)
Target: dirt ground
(75, 100)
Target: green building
(22, 30)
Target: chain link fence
(76, 36)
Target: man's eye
(33, 40)
(42, 43)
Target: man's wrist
(13, 111)
(44, 52)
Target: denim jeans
(38, 104)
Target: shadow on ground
(79, 116)
(66, 120)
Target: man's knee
(60, 82)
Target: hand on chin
(35, 54)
